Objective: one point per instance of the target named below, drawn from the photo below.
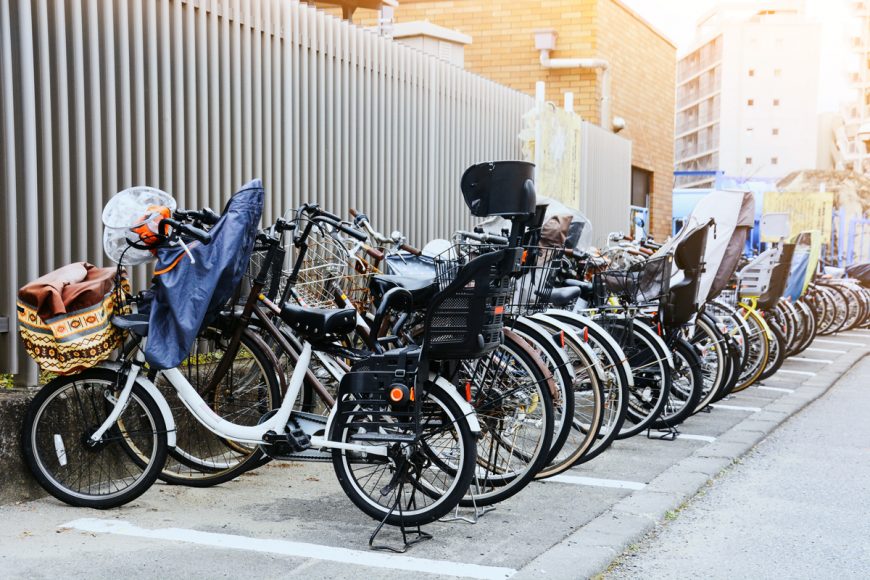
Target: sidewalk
(795, 507)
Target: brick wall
(643, 66)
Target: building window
(774, 131)
(641, 186)
(774, 160)
(775, 102)
(750, 102)
(752, 72)
(749, 161)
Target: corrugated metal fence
(198, 96)
(605, 181)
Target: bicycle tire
(49, 454)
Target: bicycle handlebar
(483, 238)
(193, 232)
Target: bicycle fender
(152, 390)
(584, 346)
(467, 410)
(587, 321)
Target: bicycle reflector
(399, 394)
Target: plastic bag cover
(186, 294)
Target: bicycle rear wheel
(59, 422)
(512, 395)
(248, 389)
(417, 483)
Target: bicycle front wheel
(55, 440)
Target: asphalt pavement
(290, 519)
(795, 507)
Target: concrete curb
(591, 549)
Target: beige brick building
(641, 60)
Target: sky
(676, 19)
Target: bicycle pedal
(283, 445)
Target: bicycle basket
(465, 319)
(332, 267)
(65, 317)
(642, 283)
(379, 395)
(535, 280)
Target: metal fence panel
(605, 181)
(198, 96)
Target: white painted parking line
(781, 390)
(843, 342)
(294, 549)
(691, 437)
(804, 373)
(809, 360)
(736, 408)
(828, 350)
(595, 482)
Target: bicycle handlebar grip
(411, 249)
(352, 212)
(375, 253)
(352, 232)
(197, 234)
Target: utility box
(443, 43)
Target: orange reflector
(468, 391)
(659, 328)
(411, 395)
(562, 338)
(525, 255)
(396, 394)
(586, 334)
(499, 309)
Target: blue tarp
(186, 294)
(799, 263)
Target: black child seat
(421, 289)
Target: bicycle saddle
(422, 289)
(134, 323)
(565, 295)
(584, 285)
(312, 323)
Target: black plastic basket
(642, 284)
(536, 278)
(466, 316)
(364, 394)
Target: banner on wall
(806, 211)
(557, 175)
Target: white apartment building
(747, 93)
(853, 138)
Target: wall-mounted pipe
(587, 63)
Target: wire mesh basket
(535, 280)
(331, 268)
(466, 317)
(643, 283)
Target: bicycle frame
(223, 428)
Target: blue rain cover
(800, 261)
(187, 295)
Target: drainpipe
(587, 63)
